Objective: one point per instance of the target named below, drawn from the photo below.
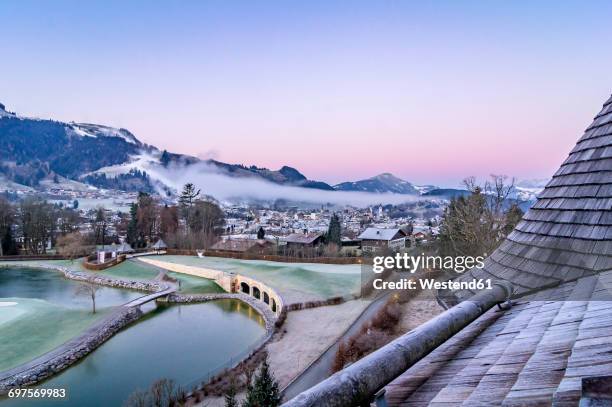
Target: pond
(43, 310)
(179, 342)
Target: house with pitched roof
(381, 239)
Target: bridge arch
(257, 290)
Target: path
(320, 369)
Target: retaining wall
(232, 283)
(90, 265)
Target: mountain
(284, 176)
(382, 183)
(528, 190)
(33, 150)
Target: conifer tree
(187, 200)
(261, 233)
(230, 397)
(334, 231)
(264, 391)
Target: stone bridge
(258, 290)
(230, 282)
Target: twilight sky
(430, 91)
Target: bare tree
(90, 289)
(100, 222)
(71, 245)
(36, 220)
(476, 224)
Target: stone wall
(147, 286)
(218, 276)
(90, 263)
(230, 282)
(267, 314)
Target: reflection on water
(51, 286)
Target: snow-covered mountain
(528, 190)
(382, 183)
(32, 150)
(96, 130)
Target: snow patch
(97, 130)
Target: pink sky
(432, 92)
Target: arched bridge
(259, 291)
(151, 297)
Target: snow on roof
(379, 234)
(307, 238)
(160, 245)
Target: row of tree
(194, 223)
(33, 225)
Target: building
(254, 246)
(379, 239)
(159, 245)
(301, 244)
(303, 239)
(551, 341)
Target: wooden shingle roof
(557, 338)
(537, 353)
(567, 234)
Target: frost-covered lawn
(40, 310)
(294, 281)
(136, 270)
(33, 327)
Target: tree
(132, 228)
(165, 158)
(187, 200)
(334, 232)
(100, 225)
(7, 243)
(71, 245)
(230, 397)
(168, 221)
(37, 223)
(68, 220)
(513, 217)
(264, 391)
(147, 218)
(476, 224)
(162, 393)
(89, 289)
(207, 217)
(261, 233)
